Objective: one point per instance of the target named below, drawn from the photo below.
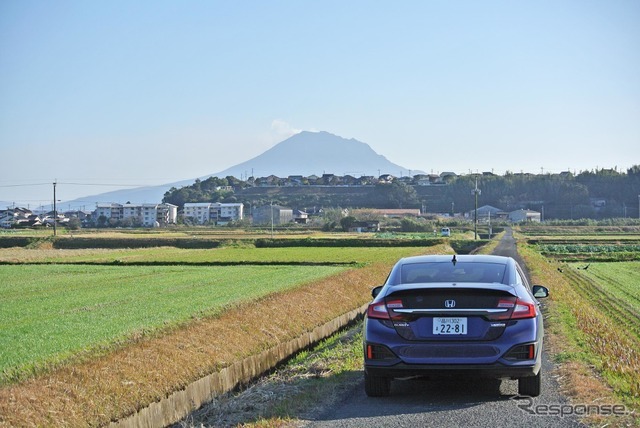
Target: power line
(25, 185)
(81, 184)
(102, 184)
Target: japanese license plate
(450, 326)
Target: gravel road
(460, 403)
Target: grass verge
(597, 357)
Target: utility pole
(475, 192)
(55, 211)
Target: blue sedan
(460, 315)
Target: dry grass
(120, 383)
(601, 362)
(306, 386)
(25, 255)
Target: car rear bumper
(495, 371)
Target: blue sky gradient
(152, 92)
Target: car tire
(529, 386)
(377, 386)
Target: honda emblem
(449, 303)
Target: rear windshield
(448, 272)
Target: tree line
(601, 193)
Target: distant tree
(396, 195)
(102, 221)
(331, 218)
(347, 222)
(634, 171)
(74, 224)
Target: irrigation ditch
(179, 404)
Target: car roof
(467, 258)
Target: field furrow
(624, 314)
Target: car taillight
(507, 304)
(380, 310)
(515, 309)
(524, 310)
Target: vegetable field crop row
(587, 248)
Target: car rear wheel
(529, 386)
(377, 386)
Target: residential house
(15, 217)
(300, 217)
(23, 217)
(296, 180)
(349, 180)
(366, 180)
(386, 178)
(330, 180)
(271, 180)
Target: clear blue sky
(151, 92)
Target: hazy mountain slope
(316, 153)
(304, 154)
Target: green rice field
(65, 309)
(51, 312)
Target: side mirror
(376, 291)
(540, 291)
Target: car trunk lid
(449, 312)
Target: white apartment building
(198, 211)
(213, 212)
(149, 215)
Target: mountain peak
(306, 153)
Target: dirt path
(507, 247)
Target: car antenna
(454, 260)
